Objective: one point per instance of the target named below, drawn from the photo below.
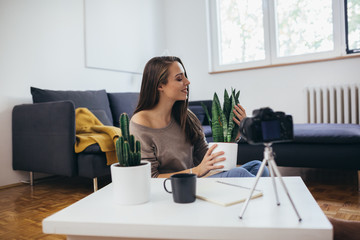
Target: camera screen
(270, 130)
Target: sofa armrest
(44, 137)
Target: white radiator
(334, 104)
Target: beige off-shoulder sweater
(167, 149)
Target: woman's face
(177, 86)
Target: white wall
(122, 34)
(42, 45)
(280, 87)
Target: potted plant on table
(131, 176)
(224, 129)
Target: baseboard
(38, 180)
(11, 185)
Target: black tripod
(269, 158)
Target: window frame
(348, 51)
(270, 44)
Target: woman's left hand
(240, 114)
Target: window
(241, 31)
(303, 27)
(253, 33)
(352, 18)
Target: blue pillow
(93, 100)
(123, 102)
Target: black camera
(267, 126)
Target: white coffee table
(97, 217)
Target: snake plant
(128, 151)
(223, 127)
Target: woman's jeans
(249, 169)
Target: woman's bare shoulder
(141, 118)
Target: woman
(171, 135)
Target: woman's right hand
(210, 158)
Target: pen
(235, 185)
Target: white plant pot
(131, 185)
(230, 150)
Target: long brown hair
(156, 72)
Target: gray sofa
(44, 132)
(44, 136)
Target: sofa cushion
(94, 148)
(207, 130)
(93, 100)
(199, 112)
(102, 116)
(207, 103)
(122, 102)
(327, 133)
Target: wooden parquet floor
(22, 208)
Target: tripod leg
(258, 175)
(277, 172)
(272, 174)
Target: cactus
(223, 127)
(128, 151)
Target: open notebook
(223, 193)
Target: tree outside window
(251, 33)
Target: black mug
(183, 186)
